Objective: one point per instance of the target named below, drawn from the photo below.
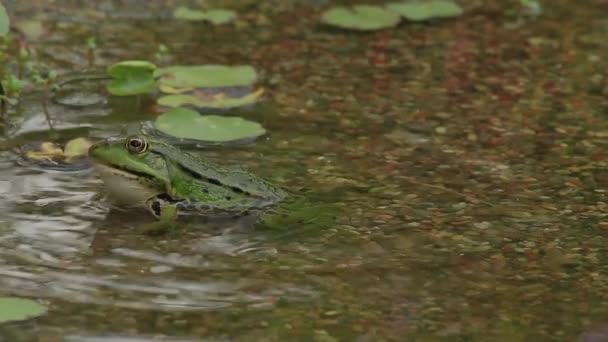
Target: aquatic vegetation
(201, 99)
(131, 78)
(205, 76)
(532, 6)
(32, 29)
(70, 155)
(369, 18)
(18, 309)
(360, 17)
(425, 10)
(214, 16)
(188, 124)
(4, 21)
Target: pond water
(466, 159)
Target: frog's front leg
(159, 206)
(164, 211)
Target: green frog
(141, 171)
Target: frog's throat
(124, 186)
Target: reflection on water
(141, 292)
(48, 212)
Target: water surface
(467, 158)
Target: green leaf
(131, 78)
(19, 309)
(206, 76)
(77, 147)
(215, 16)
(188, 124)
(220, 16)
(533, 6)
(419, 11)
(361, 17)
(4, 21)
(202, 100)
(186, 13)
(91, 43)
(32, 29)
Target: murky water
(467, 158)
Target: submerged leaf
(131, 78)
(188, 124)
(203, 100)
(361, 17)
(215, 16)
(425, 10)
(206, 76)
(19, 309)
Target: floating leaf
(171, 90)
(220, 16)
(186, 13)
(50, 155)
(19, 309)
(32, 29)
(424, 10)
(47, 151)
(206, 76)
(202, 99)
(4, 21)
(131, 78)
(361, 17)
(76, 148)
(188, 124)
(215, 16)
(532, 6)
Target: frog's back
(234, 179)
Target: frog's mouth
(126, 187)
(121, 171)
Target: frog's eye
(136, 145)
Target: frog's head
(130, 170)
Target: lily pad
(202, 99)
(4, 21)
(360, 17)
(188, 124)
(425, 10)
(215, 16)
(18, 309)
(206, 76)
(131, 78)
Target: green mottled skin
(166, 175)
